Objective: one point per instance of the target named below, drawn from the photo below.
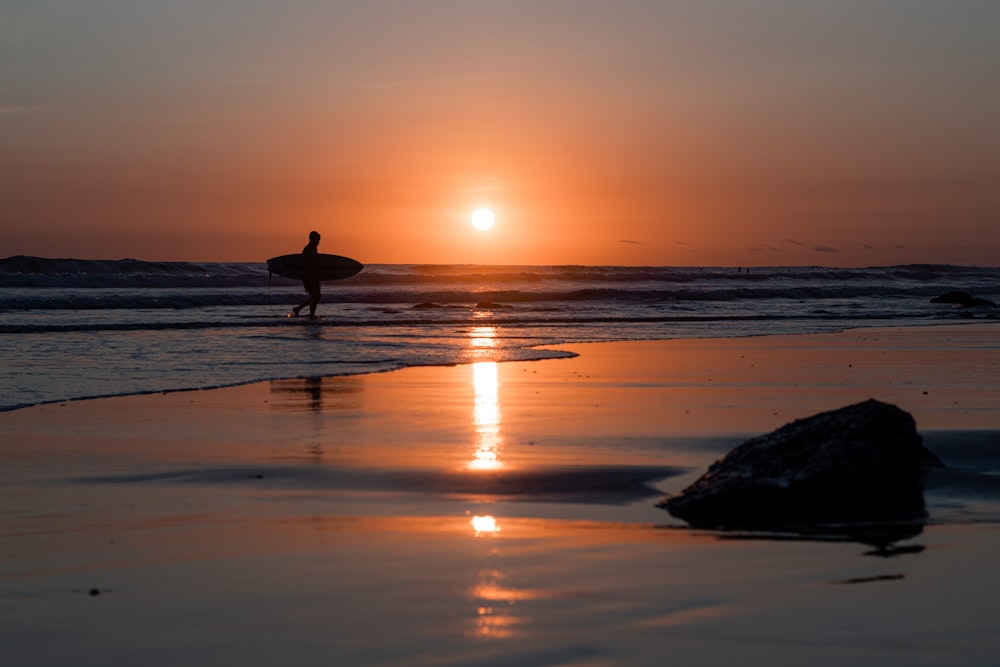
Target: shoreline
(431, 515)
(562, 348)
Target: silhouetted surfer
(310, 275)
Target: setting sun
(483, 219)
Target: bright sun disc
(483, 218)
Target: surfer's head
(314, 237)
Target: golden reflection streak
(486, 412)
(494, 602)
(486, 416)
(483, 337)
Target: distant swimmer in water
(310, 275)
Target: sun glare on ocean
(483, 219)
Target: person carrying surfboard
(310, 275)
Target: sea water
(72, 329)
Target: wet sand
(492, 514)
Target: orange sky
(834, 132)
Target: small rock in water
(863, 462)
(964, 299)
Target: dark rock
(424, 305)
(956, 296)
(964, 299)
(861, 463)
(491, 305)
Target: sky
(631, 132)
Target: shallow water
(81, 329)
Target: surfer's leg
(314, 297)
(312, 288)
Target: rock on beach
(860, 463)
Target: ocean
(74, 329)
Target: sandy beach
(494, 514)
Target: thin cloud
(794, 242)
(951, 247)
(824, 248)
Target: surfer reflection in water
(310, 275)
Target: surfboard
(331, 267)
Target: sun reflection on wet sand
(485, 525)
(486, 416)
(494, 617)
